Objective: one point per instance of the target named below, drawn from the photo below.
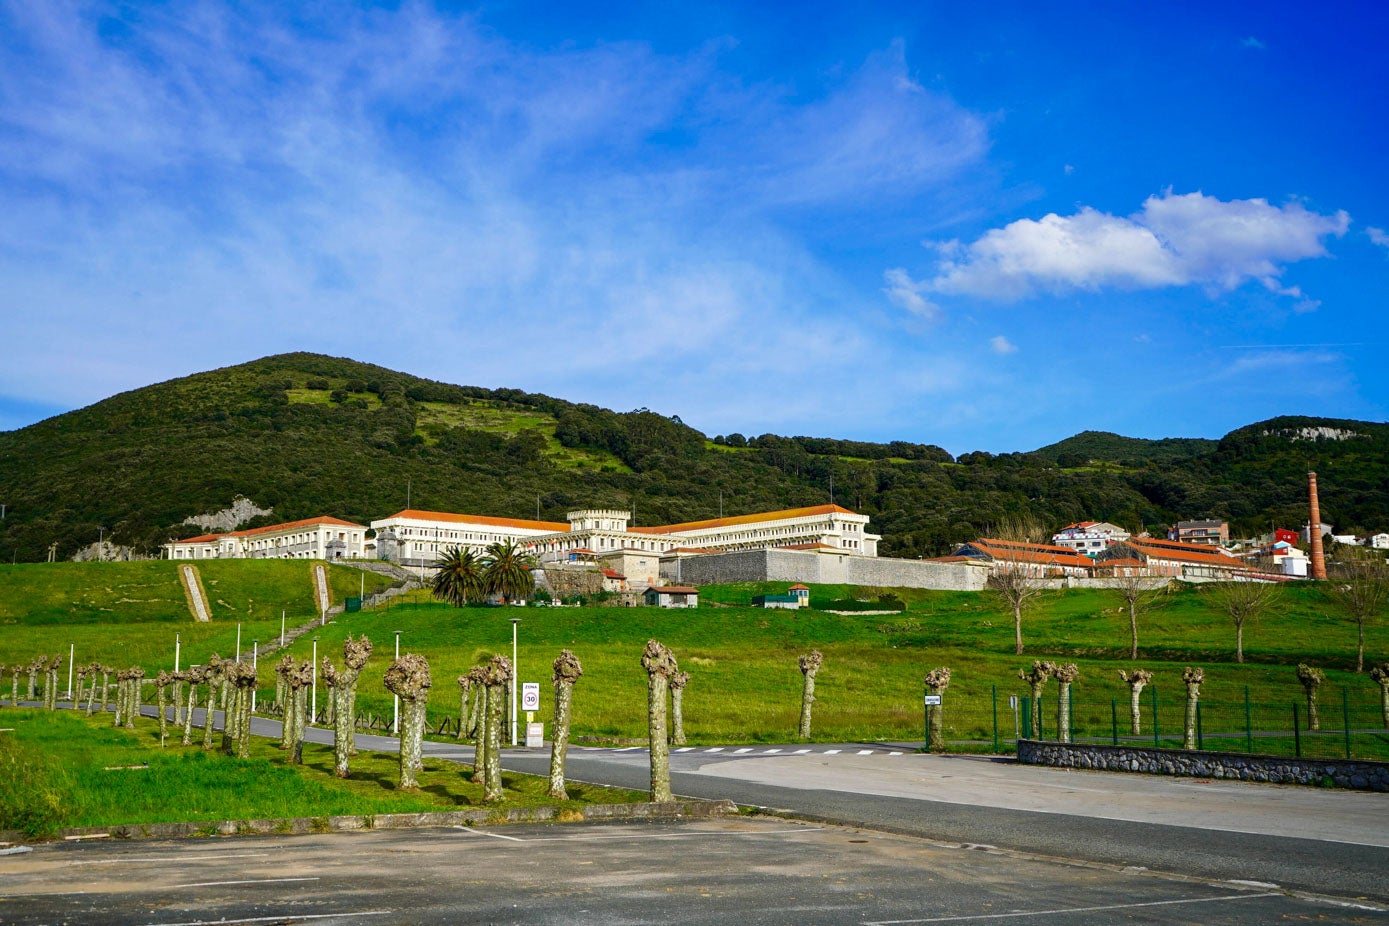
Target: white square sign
(530, 696)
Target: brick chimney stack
(1314, 534)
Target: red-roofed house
(1043, 560)
(1190, 561)
(1089, 537)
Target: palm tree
(508, 571)
(460, 577)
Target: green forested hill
(309, 435)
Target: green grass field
(129, 612)
(60, 769)
(434, 418)
(745, 683)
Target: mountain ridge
(307, 434)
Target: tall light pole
(515, 622)
(313, 703)
(282, 628)
(72, 650)
(178, 646)
(238, 641)
(255, 653)
(395, 699)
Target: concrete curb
(296, 826)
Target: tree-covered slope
(306, 435)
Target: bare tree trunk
(208, 711)
(298, 701)
(177, 698)
(810, 664)
(342, 732)
(14, 689)
(243, 747)
(162, 699)
(936, 682)
(1311, 679)
(408, 678)
(678, 681)
(1239, 641)
(1017, 630)
(1063, 711)
(660, 665)
(465, 689)
(567, 670)
(1133, 630)
(188, 714)
(118, 719)
(1192, 678)
(1137, 680)
(1359, 646)
(1313, 718)
(231, 716)
(481, 737)
(492, 771)
(417, 731)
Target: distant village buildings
(1210, 531)
(1089, 537)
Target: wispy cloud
(1174, 240)
(192, 186)
(1253, 42)
(1378, 236)
(1001, 345)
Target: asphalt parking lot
(753, 870)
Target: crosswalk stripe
(833, 752)
(768, 752)
(739, 752)
(865, 752)
(715, 749)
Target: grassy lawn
(129, 612)
(745, 685)
(61, 769)
(432, 419)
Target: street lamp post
(515, 622)
(313, 702)
(72, 651)
(178, 646)
(255, 654)
(395, 699)
(282, 628)
(238, 641)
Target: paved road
(710, 872)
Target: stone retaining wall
(1342, 773)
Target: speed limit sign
(530, 696)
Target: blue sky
(987, 226)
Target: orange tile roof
(1046, 553)
(613, 574)
(413, 514)
(743, 519)
(293, 525)
(674, 589)
(1182, 552)
(798, 586)
(202, 538)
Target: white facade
(1089, 537)
(421, 537)
(1380, 541)
(312, 538)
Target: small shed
(787, 602)
(672, 596)
(802, 592)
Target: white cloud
(1001, 345)
(904, 292)
(1252, 42)
(1174, 240)
(1378, 236)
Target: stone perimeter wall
(821, 568)
(1361, 776)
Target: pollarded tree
(459, 578)
(300, 681)
(1137, 680)
(1036, 679)
(106, 673)
(408, 679)
(678, 681)
(93, 670)
(465, 693)
(810, 665)
(1311, 679)
(1242, 602)
(1192, 677)
(194, 676)
(214, 675)
(15, 672)
(1360, 589)
(507, 573)
(50, 683)
(659, 663)
(283, 670)
(936, 682)
(137, 692)
(33, 669)
(343, 683)
(81, 684)
(161, 686)
(567, 671)
(1380, 675)
(1066, 675)
(498, 675)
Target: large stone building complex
(311, 538)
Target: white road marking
(469, 829)
(739, 752)
(803, 829)
(685, 749)
(715, 749)
(167, 858)
(833, 752)
(285, 918)
(254, 881)
(800, 752)
(865, 752)
(894, 753)
(1021, 913)
(768, 752)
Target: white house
(418, 538)
(672, 596)
(1380, 541)
(1089, 537)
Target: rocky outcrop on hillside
(242, 510)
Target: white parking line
(685, 749)
(768, 752)
(894, 753)
(284, 918)
(258, 881)
(833, 752)
(469, 829)
(865, 752)
(802, 829)
(715, 749)
(739, 752)
(800, 752)
(1022, 913)
(167, 858)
